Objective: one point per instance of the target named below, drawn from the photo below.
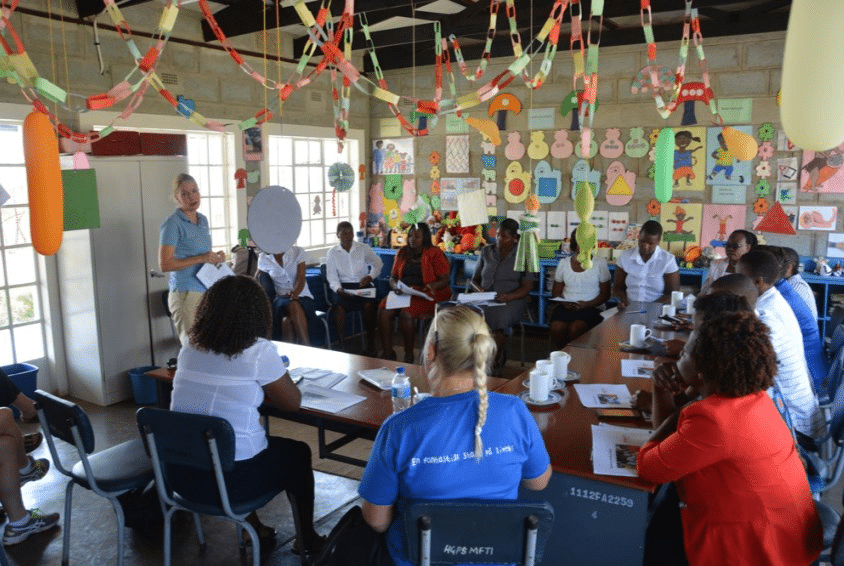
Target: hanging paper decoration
(582, 173)
(435, 187)
(637, 146)
(776, 221)
(621, 184)
(341, 176)
(516, 183)
(642, 83)
(240, 176)
(586, 141)
(766, 132)
(44, 183)
(611, 147)
(562, 147)
(813, 75)
(664, 165)
(584, 205)
(515, 149)
(392, 187)
(527, 254)
(487, 128)
(537, 149)
(488, 174)
(253, 176)
(654, 208)
(504, 101)
(488, 161)
(547, 182)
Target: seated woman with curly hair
(731, 455)
(227, 370)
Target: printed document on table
(395, 301)
(411, 291)
(322, 377)
(603, 396)
(210, 273)
(366, 292)
(615, 449)
(637, 368)
(327, 400)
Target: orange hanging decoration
(44, 179)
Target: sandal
(32, 441)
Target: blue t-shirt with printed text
(190, 240)
(427, 452)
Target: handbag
(352, 542)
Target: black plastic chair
(206, 443)
(107, 473)
(357, 315)
(477, 531)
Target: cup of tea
(560, 361)
(690, 305)
(545, 365)
(669, 310)
(677, 299)
(639, 333)
(540, 385)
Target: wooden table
(361, 420)
(616, 328)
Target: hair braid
(481, 358)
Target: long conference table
(600, 519)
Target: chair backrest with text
(477, 531)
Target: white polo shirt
(352, 266)
(284, 278)
(645, 280)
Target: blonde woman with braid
(463, 442)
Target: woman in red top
(422, 266)
(733, 459)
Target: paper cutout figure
(488, 174)
(80, 161)
(718, 221)
(637, 146)
(621, 184)
(487, 128)
(488, 147)
(618, 222)
(516, 183)
(457, 154)
(688, 167)
(722, 166)
(776, 222)
(547, 182)
(766, 151)
(537, 149)
(787, 169)
(763, 169)
(489, 161)
(392, 187)
(822, 171)
(760, 206)
(581, 172)
(593, 145)
(490, 187)
(654, 208)
(434, 158)
(515, 149)
(376, 199)
(491, 190)
(682, 225)
(611, 147)
(787, 193)
(361, 173)
(434, 173)
(317, 207)
(408, 197)
(817, 218)
(240, 176)
(766, 132)
(562, 147)
(435, 187)
(504, 101)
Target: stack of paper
(615, 449)
(396, 301)
(366, 292)
(485, 299)
(327, 400)
(210, 273)
(315, 376)
(602, 396)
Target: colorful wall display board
(451, 187)
(689, 158)
(393, 156)
(717, 222)
(457, 154)
(818, 218)
(787, 193)
(620, 183)
(722, 168)
(681, 225)
(822, 171)
(791, 212)
(835, 245)
(618, 222)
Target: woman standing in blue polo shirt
(184, 245)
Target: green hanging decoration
(587, 237)
(664, 161)
(392, 187)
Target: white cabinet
(112, 314)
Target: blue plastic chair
(477, 531)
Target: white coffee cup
(561, 361)
(669, 310)
(540, 385)
(545, 365)
(638, 334)
(677, 299)
(690, 304)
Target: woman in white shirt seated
(582, 291)
(293, 304)
(227, 370)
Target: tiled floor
(93, 529)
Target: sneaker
(38, 523)
(38, 471)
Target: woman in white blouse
(293, 303)
(582, 291)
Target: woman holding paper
(228, 369)
(184, 245)
(739, 243)
(293, 303)
(423, 267)
(580, 291)
(495, 273)
(735, 464)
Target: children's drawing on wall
(253, 147)
(457, 154)
(835, 245)
(817, 218)
(787, 169)
(451, 188)
(392, 156)
(547, 182)
(689, 148)
(821, 171)
(791, 213)
(783, 143)
(717, 222)
(681, 224)
(787, 193)
(722, 167)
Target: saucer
(555, 384)
(572, 376)
(626, 346)
(553, 397)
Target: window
(301, 165)
(21, 313)
(210, 162)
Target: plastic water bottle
(401, 390)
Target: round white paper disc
(274, 219)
